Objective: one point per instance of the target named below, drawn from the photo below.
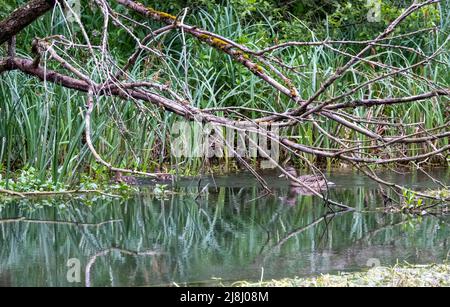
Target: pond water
(226, 233)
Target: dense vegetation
(41, 125)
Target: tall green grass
(41, 125)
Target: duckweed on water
(28, 180)
(435, 275)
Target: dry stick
(354, 60)
(404, 139)
(374, 121)
(54, 193)
(261, 131)
(141, 45)
(398, 70)
(112, 14)
(292, 119)
(186, 111)
(242, 160)
(340, 71)
(344, 145)
(87, 119)
(297, 146)
(12, 193)
(181, 110)
(371, 174)
(341, 121)
(84, 33)
(352, 126)
(202, 32)
(443, 185)
(389, 140)
(12, 48)
(388, 101)
(226, 45)
(104, 8)
(264, 132)
(369, 102)
(71, 68)
(213, 40)
(335, 42)
(134, 57)
(44, 47)
(412, 50)
(287, 174)
(69, 223)
(394, 71)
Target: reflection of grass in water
(227, 228)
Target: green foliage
(43, 127)
(7, 7)
(336, 18)
(411, 202)
(28, 180)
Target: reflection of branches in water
(440, 183)
(180, 230)
(326, 228)
(70, 223)
(300, 230)
(291, 201)
(371, 234)
(105, 252)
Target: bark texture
(22, 17)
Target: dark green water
(226, 232)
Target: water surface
(214, 230)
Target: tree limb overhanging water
(384, 141)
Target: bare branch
(22, 17)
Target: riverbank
(434, 275)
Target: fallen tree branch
(53, 193)
(193, 113)
(383, 140)
(22, 17)
(88, 114)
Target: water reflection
(229, 231)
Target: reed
(41, 125)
